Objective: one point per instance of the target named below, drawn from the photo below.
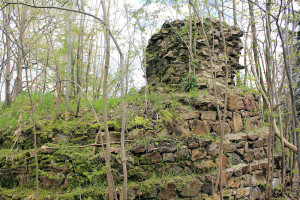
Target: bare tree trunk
(255, 50)
(190, 40)
(2, 68)
(123, 152)
(33, 122)
(107, 134)
(146, 81)
(69, 55)
(225, 105)
(58, 82)
(8, 49)
(45, 73)
(127, 69)
(95, 69)
(89, 64)
(245, 58)
(80, 56)
(18, 81)
(234, 13)
(270, 78)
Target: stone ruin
(185, 161)
(167, 65)
(168, 53)
(245, 142)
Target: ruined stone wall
(245, 143)
(244, 174)
(168, 55)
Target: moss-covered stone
(150, 158)
(138, 174)
(141, 122)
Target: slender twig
(84, 146)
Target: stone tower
(168, 55)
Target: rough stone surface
(207, 188)
(255, 193)
(213, 149)
(226, 127)
(237, 122)
(235, 102)
(151, 158)
(181, 129)
(168, 157)
(236, 137)
(253, 137)
(165, 50)
(194, 144)
(249, 103)
(234, 182)
(191, 188)
(198, 154)
(260, 143)
(229, 147)
(191, 115)
(243, 192)
(204, 165)
(247, 180)
(258, 178)
(234, 159)
(209, 115)
(138, 149)
(166, 148)
(184, 153)
(201, 128)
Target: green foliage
(190, 82)
(157, 101)
(9, 115)
(194, 62)
(141, 122)
(194, 93)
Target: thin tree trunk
(225, 105)
(45, 73)
(245, 58)
(79, 69)
(146, 81)
(95, 69)
(18, 81)
(255, 50)
(123, 152)
(127, 68)
(89, 64)
(234, 13)
(58, 82)
(33, 123)
(107, 134)
(270, 90)
(69, 56)
(8, 49)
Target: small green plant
(194, 93)
(190, 81)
